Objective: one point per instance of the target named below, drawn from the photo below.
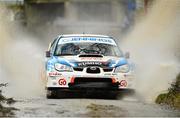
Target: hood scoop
(90, 55)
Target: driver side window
(52, 48)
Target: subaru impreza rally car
(84, 62)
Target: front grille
(93, 70)
(108, 69)
(78, 80)
(78, 69)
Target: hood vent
(90, 55)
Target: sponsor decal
(123, 83)
(87, 39)
(90, 58)
(62, 82)
(54, 74)
(90, 63)
(91, 39)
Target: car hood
(75, 61)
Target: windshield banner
(87, 40)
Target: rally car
(80, 62)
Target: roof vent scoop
(90, 55)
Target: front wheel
(53, 94)
(50, 94)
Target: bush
(6, 111)
(172, 98)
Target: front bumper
(94, 85)
(106, 80)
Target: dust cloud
(20, 58)
(154, 44)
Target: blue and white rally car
(80, 62)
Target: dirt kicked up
(152, 45)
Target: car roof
(84, 35)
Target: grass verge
(4, 102)
(172, 97)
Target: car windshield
(87, 48)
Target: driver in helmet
(70, 48)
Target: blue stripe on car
(120, 62)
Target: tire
(112, 95)
(50, 94)
(57, 94)
(63, 94)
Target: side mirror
(48, 54)
(127, 55)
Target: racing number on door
(62, 82)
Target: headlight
(61, 67)
(122, 69)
